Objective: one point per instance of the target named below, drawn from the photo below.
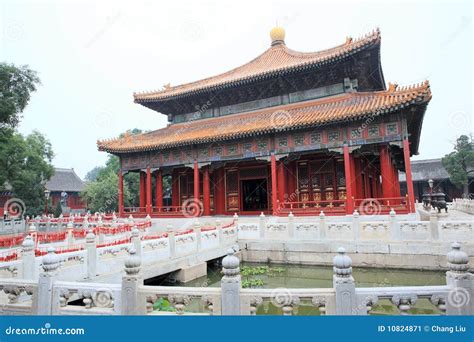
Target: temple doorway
(254, 194)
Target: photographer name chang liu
(448, 329)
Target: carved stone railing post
(172, 241)
(287, 302)
(101, 235)
(46, 281)
(132, 280)
(85, 223)
(28, 259)
(440, 302)
(33, 233)
(460, 299)
(255, 302)
(179, 302)
(356, 225)
(70, 234)
(236, 219)
(344, 285)
(404, 302)
(231, 284)
(91, 249)
(208, 303)
(197, 231)
(291, 225)
(434, 230)
(220, 238)
(262, 227)
(136, 241)
(394, 226)
(322, 225)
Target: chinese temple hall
(299, 132)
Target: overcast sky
(91, 57)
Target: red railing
(51, 237)
(376, 206)
(59, 250)
(168, 211)
(183, 232)
(66, 219)
(155, 237)
(313, 207)
(131, 210)
(114, 243)
(10, 255)
(11, 240)
(229, 224)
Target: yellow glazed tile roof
(343, 107)
(276, 59)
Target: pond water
(296, 276)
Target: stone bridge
(101, 259)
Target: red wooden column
(291, 183)
(148, 191)
(357, 178)
(159, 189)
(348, 168)
(120, 194)
(396, 183)
(206, 192)
(175, 188)
(386, 172)
(196, 182)
(274, 184)
(410, 191)
(142, 190)
(219, 191)
(281, 181)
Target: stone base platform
(403, 255)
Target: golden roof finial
(277, 34)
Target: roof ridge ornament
(392, 86)
(277, 35)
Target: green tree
(100, 178)
(102, 195)
(93, 174)
(28, 167)
(460, 163)
(16, 86)
(25, 162)
(58, 210)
